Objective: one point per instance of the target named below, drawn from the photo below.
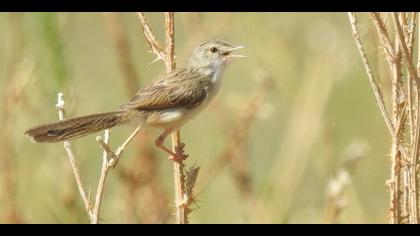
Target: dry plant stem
(412, 186)
(407, 55)
(414, 158)
(179, 178)
(383, 35)
(410, 36)
(405, 102)
(170, 41)
(151, 39)
(167, 55)
(94, 210)
(418, 52)
(412, 32)
(395, 64)
(410, 82)
(109, 160)
(113, 157)
(70, 154)
(373, 82)
(101, 183)
(396, 158)
(414, 165)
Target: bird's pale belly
(170, 118)
(176, 117)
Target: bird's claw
(179, 151)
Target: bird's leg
(178, 155)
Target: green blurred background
(288, 118)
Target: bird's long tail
(76, 127)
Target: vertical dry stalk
(396, 157)
(183, 198)
(142, 174)
(404, 100)
(179, 177)
(411, 180)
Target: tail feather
(75, 127)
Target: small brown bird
(167, 102)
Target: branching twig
(109, 160)
(115, 156)
(151, 39)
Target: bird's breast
(216, 82)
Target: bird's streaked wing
(170, 91)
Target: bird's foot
(179, 153)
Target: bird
(166, 103)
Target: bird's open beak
(229, 55)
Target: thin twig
(109, 160)
(383, 35)
(412, 32)
(407, 55)
(101, 183)
(373, 82)
(115, 156)
(154, 44)
(67, 146)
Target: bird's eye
(213, 50)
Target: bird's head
(213, 54)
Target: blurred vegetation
(318, 113)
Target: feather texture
(183, 88)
